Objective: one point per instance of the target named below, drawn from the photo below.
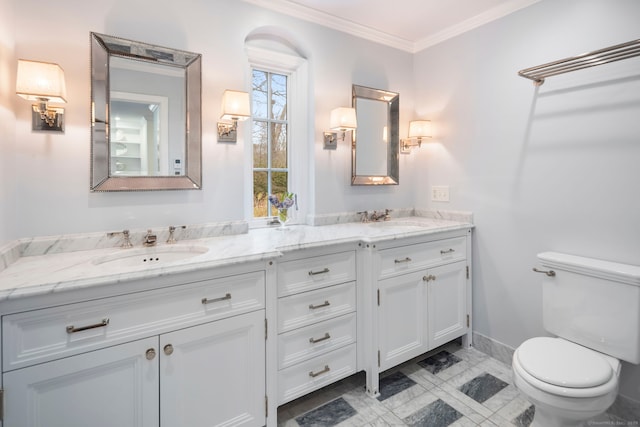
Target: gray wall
(7, 120)
(549, 168)
(54, 170)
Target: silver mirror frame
(392, 99)
(102, 47)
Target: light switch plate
(440, 193)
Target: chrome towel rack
(579, 62)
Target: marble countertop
(57, 271)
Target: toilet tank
(593, 302)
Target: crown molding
(472, 23)
(334, 22)
(344, 25)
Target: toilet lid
(563, 363)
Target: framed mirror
(375, 143)
(145, 116)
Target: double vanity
(222, 330)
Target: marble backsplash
(100, 240)
(36, 246)
(347, 217)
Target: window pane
(260, 194)
(260, 141)
(279, 97)
(260, 94)
(278, 145)
(278, 186)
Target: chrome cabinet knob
(150, 354)
(168, 349)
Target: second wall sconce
(418, 129)
(235, 107)
(42, 82)
(343, 119)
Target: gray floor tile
(474, 391)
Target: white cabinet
(402, 319)
(422, 299)
(116, 386)
(214, 374)
(420, 311)
(447, 303)
(189, 355)
(317, 323)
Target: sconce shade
(343, 119)
(420, 129)
(40, 80)
(235, 105)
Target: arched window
(279, 153)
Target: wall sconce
(418, 129)
(342, 119)
(235, 107)
(42, 82)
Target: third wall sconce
(418, 130)
(342, 119)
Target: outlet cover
(440, 193)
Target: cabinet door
(402, 318)
(214, 374)
(447, 303)
(115, 386)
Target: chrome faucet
(126, 242)
(150, 239)
(172, 229)
(380, 216)
(364, 217)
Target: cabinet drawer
(414, 257)
(51, 333)
(316, 373)
(304, 343)
(311, 307)
(312, 273)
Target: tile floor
(449, 386)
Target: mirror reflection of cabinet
(129, 148)
(375, 143)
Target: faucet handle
(125, 234)
(172, 228)
(150, 239)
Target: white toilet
(593, 307)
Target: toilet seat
(563, 363)
(563, 368)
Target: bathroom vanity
(228, 334)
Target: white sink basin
(150, 256)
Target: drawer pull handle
(150, 354)
(400, 261)
(72, 329)
(209, 301)
(324, 371)
(448, 251)
(549, 273)
(313, 273)
(428, 278)
(325, 337)
(324, 304)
